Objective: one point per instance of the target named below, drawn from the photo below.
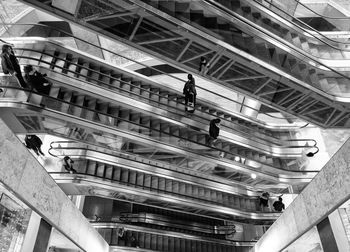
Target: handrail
(139, 63)
(179, 195)
(247, 187)
(318, 14)
(158, 130)
(158, 219)
(305, 54)
(306, 58)
(141, 229)
(149, 99)
(305, 141)
(307, 26)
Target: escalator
(208, 178)
(124, 83)
(298, 92)
(113, 117)
(184, 188)
(96, 178)
(77, 64)
(162, 240)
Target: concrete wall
(29, 181)
(326, 192)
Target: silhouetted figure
(36, 80)
(133, 242)
(34, 142)
(214, 130)
(190, 94)
(68, 164)
(264, 199)
(10, 65)
(278, 205)
(203, 65)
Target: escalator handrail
(180, 137)
(247, 187)
(318, 14)
(175, 194)
(291, 47)
(141, 63)
(301, 142)
(160, 102)
(287, 44)
(236, 183)
(310, 28)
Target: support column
(31, 233)
(339, 231)
(327, 237)
(43, 237)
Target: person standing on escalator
(37, 80)
(10, 65)
(190, 93)
(214, 130)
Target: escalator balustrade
(167, 186)
(295, 64)
(147, 127)
(60, 59)
(295, 31)
(230, 66)
(58, 64)
(169, 241)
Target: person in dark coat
(68, 164)
(37, 80)
(278, 205)
(190, 94)
(264, 200)
(10, 65)
(203, 65)
(214, 130)
(34, 142)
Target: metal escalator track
(278, 21)
(57, 59)
(79, 150)
(83, 109)
(183, 192)
(75, 63)
(158, 240)
(154, 33)
(259, 43)
(28, 30)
